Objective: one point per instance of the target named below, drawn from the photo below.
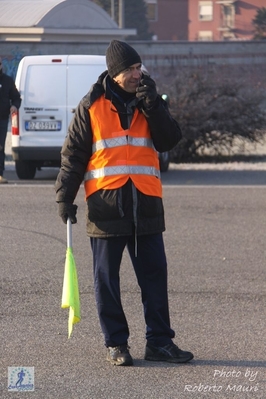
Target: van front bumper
(44, 154)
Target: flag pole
(70, 294)
(69, 233)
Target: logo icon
(20, 379)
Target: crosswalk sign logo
(20, 379)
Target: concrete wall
(163, 59)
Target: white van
(51, 87)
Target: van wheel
(25, 169)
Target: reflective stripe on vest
(119, 155)
(119, 141)
(121, 170)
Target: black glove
(68, 210)
(147, 92)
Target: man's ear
(116, 80)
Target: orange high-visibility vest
(119, 155)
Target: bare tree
(135, 16)
(213, 112)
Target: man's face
(129, 78)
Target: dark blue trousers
(3, 133)
(151, 271)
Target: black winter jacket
(9, 95)
(125, 210)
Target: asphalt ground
(215, 245)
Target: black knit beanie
(119, 56)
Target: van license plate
(49, 125)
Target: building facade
(168, 19)
(222, 19)
(202, 20)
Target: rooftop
(57, 14)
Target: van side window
(42, 84)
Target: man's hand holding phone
(147, 92)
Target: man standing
(9, 103)
(112, 144)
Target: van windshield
(45, 86)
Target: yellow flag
(70, 294)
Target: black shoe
(119, 356)
(168, 353)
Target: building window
(152, 10)
(205, 35)
(205, 10)
(228, 15)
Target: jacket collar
(105, 85)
